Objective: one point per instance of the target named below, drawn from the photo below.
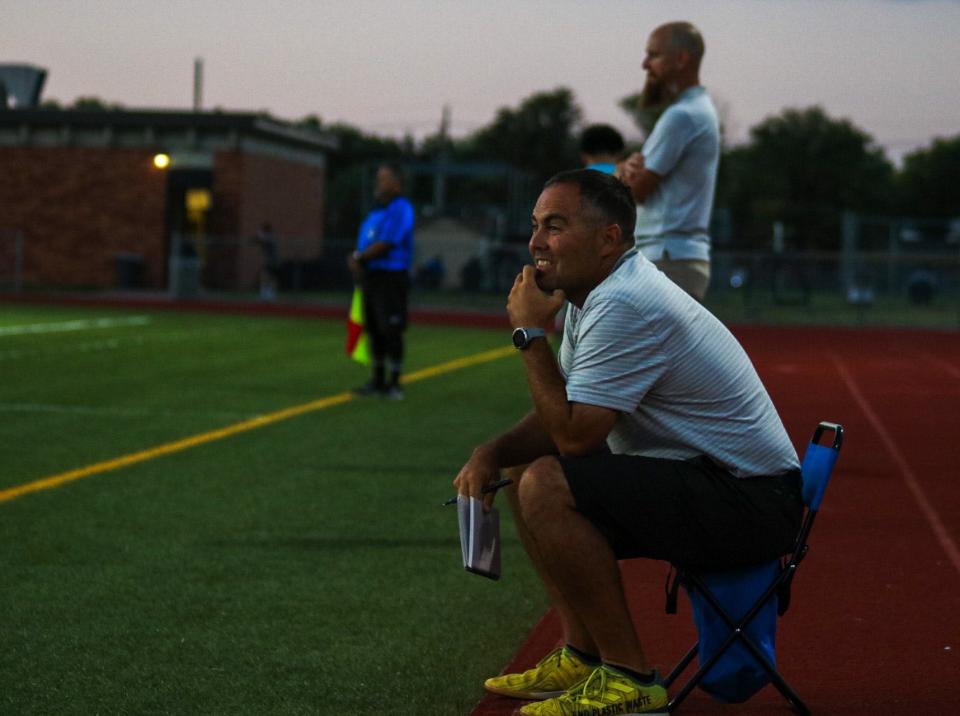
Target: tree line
(800, 167)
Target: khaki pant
(692, 275)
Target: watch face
(519, 338)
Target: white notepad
(479, 537)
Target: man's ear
(611, 239)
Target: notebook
(479, 537)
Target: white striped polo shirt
(682, 383)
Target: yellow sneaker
(557, 672)
(606, 692)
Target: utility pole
(197, 84)
(440, 170)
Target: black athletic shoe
(371, 389)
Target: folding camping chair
(818, 462)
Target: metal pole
(173, 282)
(197, 84)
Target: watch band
(523, 336)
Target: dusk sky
(890, 66)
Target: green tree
(538, 136)
(94, 104)
(929, 183)
(644, 117)
(803, 168)
(346, 165)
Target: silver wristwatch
(523, 336)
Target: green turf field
(304, 567)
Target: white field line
(78, 325)
(107, 344)
(945, 365)
(88, 347)
(118, 412)
(906, 472)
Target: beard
(656, 94)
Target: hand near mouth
(528, 305)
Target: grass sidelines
(303, 567)
(252, 424)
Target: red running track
(874, 626)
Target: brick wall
(290, 196)
(79, 208)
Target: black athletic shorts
(385, 300)
(688, 512)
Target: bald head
(672, 63)
(684, 37)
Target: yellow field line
(261, 421)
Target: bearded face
(660, 65)
(654, 94)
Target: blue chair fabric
(736, 611)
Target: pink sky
(389, 67)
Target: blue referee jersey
(392, 223)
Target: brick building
(84, 195)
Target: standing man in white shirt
(674, 177)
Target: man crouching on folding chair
(653, 437)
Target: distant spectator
(270, 268)
(600, 148)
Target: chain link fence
(884, 271)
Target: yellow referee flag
(357, 347)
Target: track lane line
(943, 364)
(53, 481)
(909, 476)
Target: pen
(493, 487)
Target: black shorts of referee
(385, 301)
(687, 512)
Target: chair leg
(677, 670)
(792, 697)
(674, 703)
(775, 677)
(681, 665)
(789, 694)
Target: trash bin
(129, 269)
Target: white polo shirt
(682, 383)
(684, 150)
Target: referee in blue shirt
(381, 266)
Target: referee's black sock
(378, 374)
(396, 367)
